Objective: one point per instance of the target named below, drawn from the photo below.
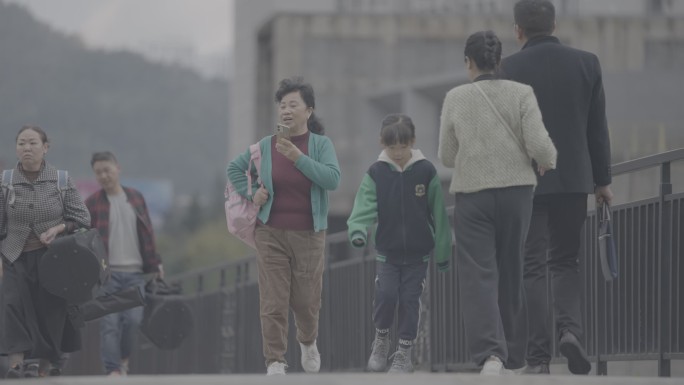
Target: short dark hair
(41, 133)
(103, 156)
(484, 48)
(535, 17)
(397, 128)
(297, 84)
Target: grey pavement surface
(421, 378)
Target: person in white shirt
(120, 214)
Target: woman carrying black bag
(35, 323)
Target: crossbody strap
(502, 120)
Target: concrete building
(367, 58)
(590, 8)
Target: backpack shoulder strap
(255, 153)
(8, 196)
(62, 183)
(7, 178)
(255, 156)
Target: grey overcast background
(193, 33)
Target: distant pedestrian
(491, 131)
(120, 215)
(569, 87)
(298, 168)
(402, 193)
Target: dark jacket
(98, 205)
(569, 89)
(409, 210)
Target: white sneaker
(311, 359)
(493, 367)
(276, 369)
(123, 368)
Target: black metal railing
(639, 316)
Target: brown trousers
(290, 265)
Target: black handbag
(99, 307)
(74, 266)
(121, 300)
(606, 243)
(167, 319)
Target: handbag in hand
(167, 318)
(118, 301)
(75, 266)
(606, 243)
(99, 307)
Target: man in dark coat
(569, 88)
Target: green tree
(209, 245)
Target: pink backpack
(241, 213)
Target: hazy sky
(204, 25)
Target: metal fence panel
(638, 316)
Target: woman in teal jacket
(297, 170)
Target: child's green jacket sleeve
(365, 212)
(440, 218)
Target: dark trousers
(553, 243)
(34, 321)
(490, 228)
(400, 285)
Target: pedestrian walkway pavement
(423, 378)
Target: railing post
(665, 269)
(238, 274)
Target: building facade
(368, 58)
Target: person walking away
(569, 87)
(491, 131)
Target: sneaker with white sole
(493, 367)
(377, 362)
(311, 358)
(276, 369)
(123, 368)
(402, 361)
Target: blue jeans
(119, 331)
